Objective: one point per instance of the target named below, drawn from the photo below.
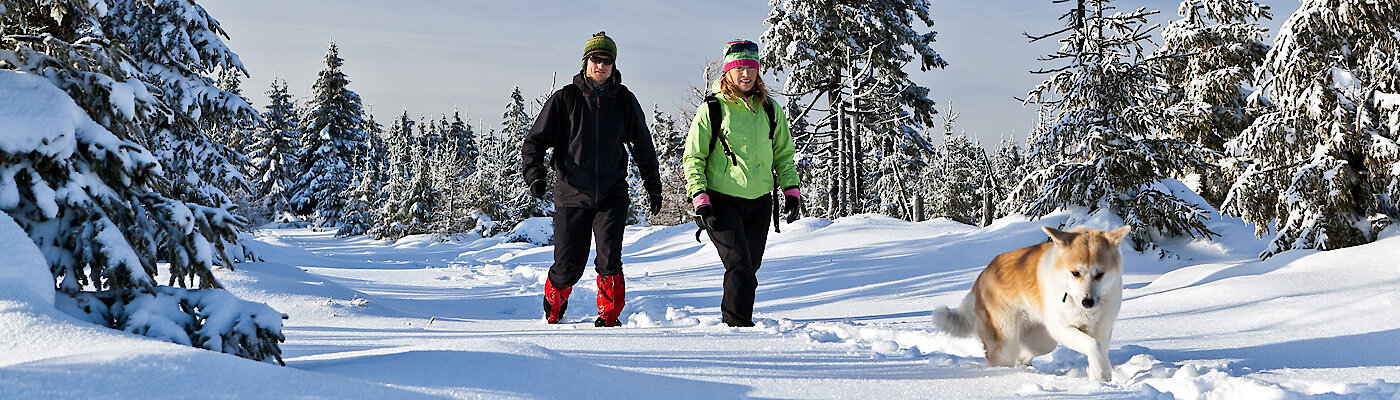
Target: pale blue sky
(428, 56)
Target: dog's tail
(956, 322)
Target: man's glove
(792, 203)
(704, 213)
(654, 201)
(537, 189)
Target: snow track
(843, 312)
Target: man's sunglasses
(601, 60)
(741, 46)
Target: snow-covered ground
(842, 310)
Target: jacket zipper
(597, 112)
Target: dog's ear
(1116, 236)
(1061, 238)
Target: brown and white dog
(1064, 291)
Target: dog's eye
(1099, 276)
(1075, 273)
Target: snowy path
(842, 308)
(843, 314)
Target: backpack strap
(777, 194)
(772, 119)
(717, 118)
(569, 94)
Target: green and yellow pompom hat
(599, 44)
(740, 53)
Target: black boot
(735, 322)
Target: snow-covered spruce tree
(1008, 167)
(461, 139)
(1208, 58)
(1106, 150)
(237, 135)
(491, 184)
(333, 140)
(274, 150)
(398, 167)
(514, 195)
(1322, 163)
(450, 176)
(362, 202)
(669, 138)
(852, 53)
(104, 165)
(809, 159)
(419, 205)
(900, 160)
(963, 169)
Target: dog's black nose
(1088, 302)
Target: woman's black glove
(705, 217)
(791, 205)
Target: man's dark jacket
(588, 126)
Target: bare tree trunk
(839, 183)
(986, 200)
(919, 208)
(857, 157)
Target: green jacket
(747, 132)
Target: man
(588, 123)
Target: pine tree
(361, 206)
(901, 159)
(332, 143)
(129, 180)
(1208, 58)
(497, 181)
(1106, 151)
(853, 54)
(961, 172)
(274, 151)
(515, 124)
(669, 139)
(461, 138)
(398, 168)
(418, 208)
(1008, 167)
(1322, 163)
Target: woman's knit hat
(740, 53)
(600, 43)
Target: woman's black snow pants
(740, 236)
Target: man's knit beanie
(600, 43)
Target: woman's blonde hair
(731, 90)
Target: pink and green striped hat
(740, 53)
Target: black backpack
(716, 116)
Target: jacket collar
(588, 87)
(715, 88)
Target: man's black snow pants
(572, 228)
(740, 236)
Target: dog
(1064, 291)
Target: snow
(35, 116)
(24, 275)
(842, 312)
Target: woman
(738, 142)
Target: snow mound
(24, 276)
